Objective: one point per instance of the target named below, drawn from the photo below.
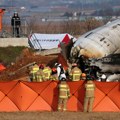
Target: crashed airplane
(103, 46)
(99, 42)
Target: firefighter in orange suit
(64, 94)
(75, 73)
(47, 72)
(89, 96)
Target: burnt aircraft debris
(101, 47)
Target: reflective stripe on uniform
(64, 109)
(39, 78)
(35, 68)
(63, 96)
(74, 76)
(76, 72)
(63, 90)
(48, 72)
(64, 86)
(89, 87)
(45, 70)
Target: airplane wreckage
(102, 48)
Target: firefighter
(47, 73)
(60, 71)
(33, 71)
(16, 23)
(75, 73)
(64, 94)
(89, 96)
(40, 76)
(54, 74)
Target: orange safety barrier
(26, 96)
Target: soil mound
(19, 70)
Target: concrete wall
(4, 42)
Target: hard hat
(54, 70)
(83, 75)
(74, 64)
(57, 64)
(41, 66)
(103, 76)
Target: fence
(26, 96)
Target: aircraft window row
(88, 34)
(102, 39)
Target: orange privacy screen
(26, 96)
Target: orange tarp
(26, 96)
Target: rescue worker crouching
(40, 76)
(64, 94)
(75, 73)
(33, 72)
(47, 73)
(89, 95)
(60, 71)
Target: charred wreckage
(97, 52)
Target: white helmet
(103, 76)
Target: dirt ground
(59, 116)
(26, 57)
